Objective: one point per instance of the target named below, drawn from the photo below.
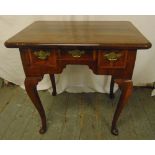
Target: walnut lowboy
(45, 50)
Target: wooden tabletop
(109, 34)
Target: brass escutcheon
(112, 56)
(43, 55)
(76, 53)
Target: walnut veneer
(107, 47)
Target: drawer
(42, 57)
(112, 59)
(76, 55)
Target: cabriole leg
(31, 88)
(126, 88)
(52, 77)
(111, 95)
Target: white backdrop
(75, 78)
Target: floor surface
(76, 116)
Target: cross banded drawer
(42, 57)
(76, 55)
(112, 59)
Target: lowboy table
(107, 47)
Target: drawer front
(76, 55)
(112, 59)
(42, 57)
(39, 61)
(119, 63)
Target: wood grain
(109, 34)
(45, 49)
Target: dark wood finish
(125, 71)
(108, 34)
(47, 47)
(126, 88)
(52, 77)
(31, 88)
(119, 64)
(111, 94)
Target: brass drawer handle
(43, 55)
(112, 56)
(76, 53)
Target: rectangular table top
(108, 34)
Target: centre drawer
(76, 55)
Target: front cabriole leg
(31, 88)
(126, 87)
